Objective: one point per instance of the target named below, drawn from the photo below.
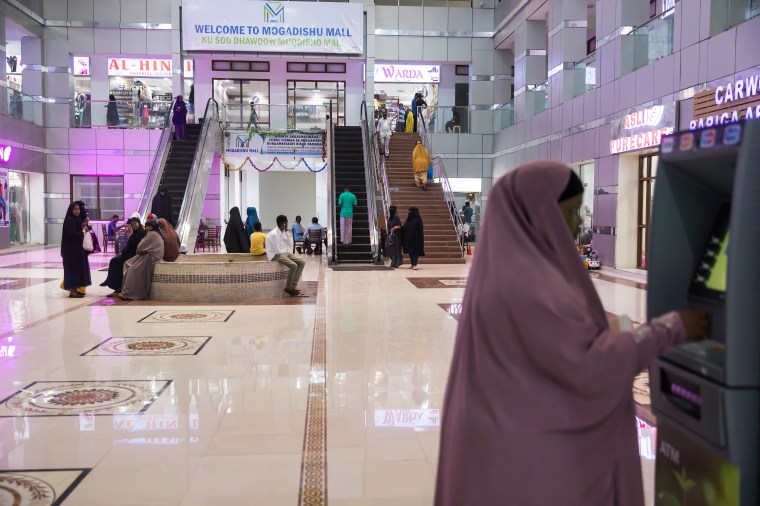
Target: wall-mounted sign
(189, 69)
(287, 27)
(642, 128)
(5, 153)
(392, 73)
(81, 66)
(139, 67)
(293, 142)
(728, 103)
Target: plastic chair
(107, 239)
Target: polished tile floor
(333, 400)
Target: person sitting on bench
(278, 246)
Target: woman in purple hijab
(539, 406)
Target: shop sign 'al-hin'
(728, 103)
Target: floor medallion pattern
(438, 282)
(313, 487)
(71, 398)
(43, 487)
(189, 316)
(120, 346)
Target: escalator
(178, 165)
(184, 167)
(350, 171)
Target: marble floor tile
(71, 398)
(228, 427)
(148, 346)
(38, 487)
(189, 316)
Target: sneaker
(298, 250)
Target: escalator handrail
(370, 177)
(448, 194)
(184, 227)
(156, 172)
(332, 250)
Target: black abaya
(414, 236)
(393, 250)
(236, 240)
(76, 267)
(116, 265)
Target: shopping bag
(87, 242)
(430, 172)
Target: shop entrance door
(309, 103)
(18, 206)
(245, 102)
(647, 173)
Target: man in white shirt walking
(279, 246)
(386, 130)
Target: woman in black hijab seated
(236, 239)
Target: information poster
(293, 142)
(5, 212)
(282, 27)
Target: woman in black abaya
(414, 237)
(236, 240)
(76, 268)
(116, 265)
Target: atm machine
(705, 253)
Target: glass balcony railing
(503, 116)
(724, 15)
(22, 106)
(537, 98)
(585, 75)
(276, 117)
(649, 42)
(116, 114)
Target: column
(530, 68)
(31, 80)
(567, 45)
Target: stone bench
(232, 277)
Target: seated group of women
(130, 273)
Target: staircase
(349, 170)
(441, 242)
(178, 165)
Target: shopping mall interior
(359, 358)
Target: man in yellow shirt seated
(257, 240)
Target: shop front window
(245, 102)
(141, 102)
(103, 196)
(647, 174)
(309, 102)
(18, 206)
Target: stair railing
(209, 144)
(439, 173)
(332, 226)
(156, 173)
(371, 171)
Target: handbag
(87, 242)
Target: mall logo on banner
(274, 13)
(242, 141)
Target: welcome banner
(282, 27)
(292, 142)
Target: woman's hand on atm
(696, 323)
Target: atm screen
(717, 278)
(712, 269)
